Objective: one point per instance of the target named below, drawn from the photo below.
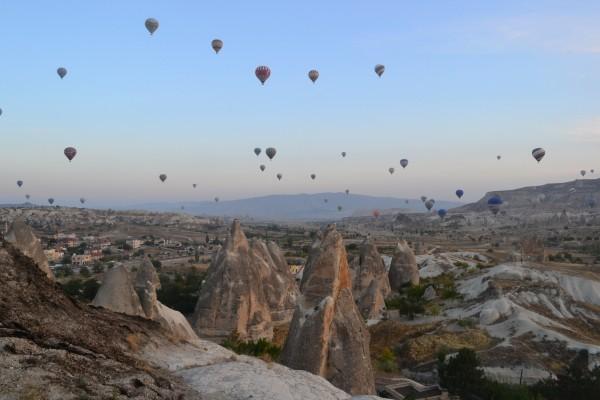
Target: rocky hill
(572, 196)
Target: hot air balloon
(82, 200)
(498, 157)
(376, 213)
(339, 208)
(423, 199)
(313, 176)
(0, 111)
(216, 199)
(27, 196)
(313, 75)
(279, 176)
(429, 204)
(19, 183)
(162, 177)
(343, 154)
(404, 162)
(591, 171)
(182, 207)
(538, 153)
(263, 73)
(257, 151)
(460, 193)
(406, 201)
(70, 153)
(326, 200)
(494, 204)
(582, 172)
(194, 185)
(442, 212)
(217, 45)
(391, 170)
(151, 25)
(347, 191)
(262, 167)
(51, 200)
(62, 72)
(271, 151)
(379, 70)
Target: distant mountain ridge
(574, 195)
(297, 206)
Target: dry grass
(426, 347)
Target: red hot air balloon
(263, 73)
(376, 213)
(70, 153)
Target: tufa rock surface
(23, 238)
(370, 283)
(328, 336)
(248, 288)
(403, 269)
(137, 296)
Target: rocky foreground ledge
(53, 347)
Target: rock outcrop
(82, 351)
(370, 283)
(247, 289)
(403, 269)
(22, 237)
(120, 292)
(117, 294)
(328, 336)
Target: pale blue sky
(464, 81)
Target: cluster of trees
(257, 348)
(180, 291)
(462, 376)
(83, 290)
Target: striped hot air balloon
(217, 45)
(313, 75)
(379, 70)
(538, 153)
(263, 73)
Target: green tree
(461, 374)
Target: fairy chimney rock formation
(370, 283)
(137, 295)
(22, 237)
(117, 294)
(248, 288)
(328, 336)
(403, 269)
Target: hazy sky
(464, 81)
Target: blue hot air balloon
(494, 204)
(442, 212)
(460, 193)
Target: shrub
(387, 360)
(259, 348)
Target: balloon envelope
(279, 176)
(379, 69)
(391, 170)
(271, 151)
(347, 191)
(82, 200)
(152, 25)
(376, 213)
(404, 162)
(538, 153)
(162, 177)
(262, 167)
(423, 198)
(313, 75)
(263, 73)
(494, 204)
(429, 204)
(51, 200)
(62, 72)
(257, 150)
(460, 193)
(442, 212)
(343, 154)
(313, 176)
(217, 45)
(19, 183)
(582, 172)
(70, 153)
